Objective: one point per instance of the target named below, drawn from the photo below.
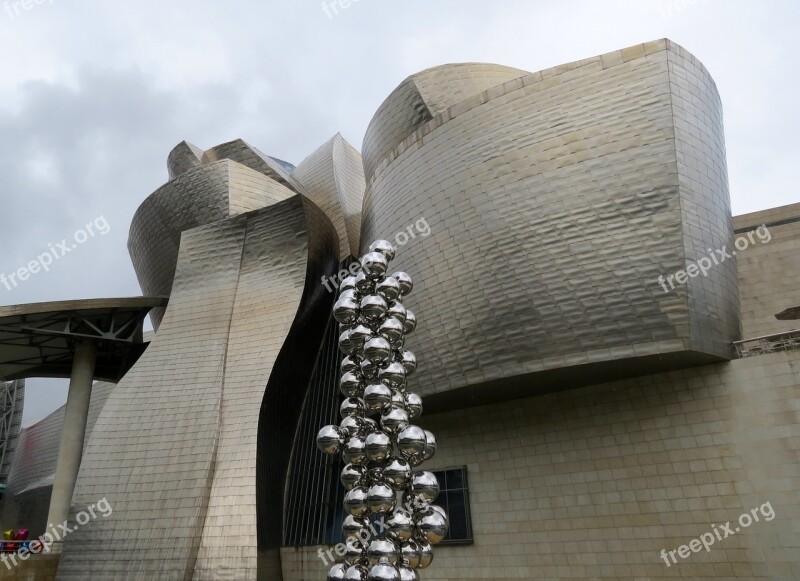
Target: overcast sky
(94, 95)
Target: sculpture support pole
(75, 416)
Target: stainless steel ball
(350, 364)
(379, 446)
(355, 450)
(377, 397)
(384, 247)
(355, 501)
(348, 283)
(381, 498)
(413, 405)
(337, 572)
(440, 510)
(388, 288)
(369, 370)
(410, 323)
(392, 330)
(430, 446)
(357, 572)
(409, 361)
(331, 439)
(397, 473)
(351, 406)
(346, 344)
(433, 526)
(384, 572)
(394, 420)
(374, 308)
(352, 425)
(406, 284)
(356, 526)
(345, 309)
(374, 265)
(424, 485)
(398, 311)
(398, 399)
(352, 475)
(411, 441)
(410, 553)
(382, 549)
(354, 550)
(351, 385)
(401, 525)
(364, 284)
(377, 351)
(425, 554)
(393, 375)
(359, 335)
(407, 573)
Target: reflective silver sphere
(413, 405)
(379, 446)
(357, 573)
(377, 396)
(348, 283)
(393, 375)
(351, 406)
(359, 335)
(415, 504)
(388, 288)
(409, 361)
(426, 554)
(398, 399)
(381, 498)
(407, 573)
(384, 247)
(401, 525)
(330, 439)
(440, 510)
(374, 308)
(384, 572)
(410, 553)
(356, 526)
(410, 323)
(351, 385)
(349, 365)
(394, 420)
(355, 450)
(406, 284)
(382, 549)
(392, 330)
(346, 345)
(411, 441)
(425, 485)
(352, 476)
(354, 550)
(351, 425)
(397, 473)
(355, 501)
(374, 265)
(364, 284)
(377, 351)
(398, 311)
(369, 370)
(337, 573)
(345, 309)
(433, 526)
(430, 446)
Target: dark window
(454, 499)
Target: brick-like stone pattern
(555, 201)
(593, 483)
(769, 271)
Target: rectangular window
(454, 499)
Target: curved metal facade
(556, 200)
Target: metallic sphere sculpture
(376, 437)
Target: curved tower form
(561, 196)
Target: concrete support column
(75, 416)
